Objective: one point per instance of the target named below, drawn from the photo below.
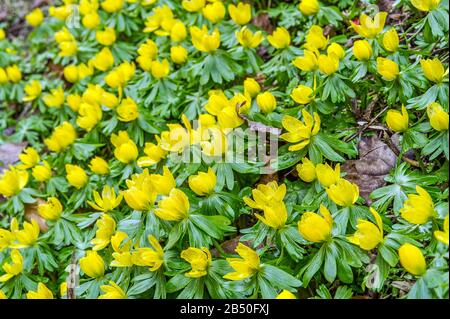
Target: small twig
(396, 151)
(72, 278)
(362, 129)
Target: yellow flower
(337, 50)
(343, 193)
(203, 184)
(300, 133)
(266, 195)
(308, 62)
(51, 210)
(127, 111)
(397, 121)
(64, 35)
(42, 173)
(203, 41)
(2, 294)
(316, 228)
(442, 236)
(438, 117)
(306, 171)
(125, 150)
(85, 70)
(14, 74)
(387, 68)
(104, 60)
(106, 37)
(112, 291)
(315, 40)
(214, 12)
(178, 54)
(285, 294)
(302, 94)
(275, 216)
(174, 207)
(29, 158)
(12, 269)
(109, 100)
(148, 49)
(61, 13)
(200, 260)
(112, 6)
(140, 194)
(55, 99)
(106, 227)
(244, 267)
(99, 166)
(151, 257)
(121, 245)
(433, 70)
(368, 235)
(362, 50)
(32, 90)
(119, 76)
(328, 64)
(327, 176)
(91, 20)
(426, 5)
(6, 237)
(178, 32)
(280, 38)
(252, 87)
(309, 7)
(160, 69)
(71, 73)
(76, 176)
(370, 28)
(412, 259)
(266, 102)
(248, 39)
(418, 208)
(2, 34)
(27, 236)
(193, 5)
(68, 48)
(35, 17)
(163, 184)
(390, 40)
(154, 153)
(12, 181)
(92, 264)
(108, 201)
(89, 115)
(3, 76)
(42, 293)
(63, 136)
(240, 14)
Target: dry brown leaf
(31, 213)
(9, 153)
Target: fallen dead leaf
(31, 213)
(9, 153)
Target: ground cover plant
(224, 149)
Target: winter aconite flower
(248, 39)
(418, 208)
(125, 149)
(306, 170)
(309, 7)
(390, 40)
(32, 91)
(285, 294)
(76, 176)
(315, 40)
(302, 94)
(160, 69)
(343, 193)
(12, 181)
(150, 257)
(280, 38)
(62, 136)
(368, 235)
(51, 210)
(106, 37)
(35, 17)
(14, 268)
(266, 102)
(328, 176)
(121, 245)
(103, 60)
(362, 50)
(42, 173)
(300, 133)
(112, 291)
(443, 236)
(244, 267)
(178, 54)
(387, 68)
(127, 110)
(412, 259)
(14, 73)
(336, 49)
(241, 13)
(203, 183)
(425, 5)
(396, 121)
(164, 183)
(200, 260)
(368, 27)
(203, 40)
(438, 117)
(316, 228)
(27, 236)
(328, 64)
(55, 98)
(174, 207)
(99, 166)
(275, 216)
(266, 195)
(214, 12)
(251, 87)
(42, 292)
(140, 194)
(193, 5)
(154, 154)
(29, 158)
(108, 201)
(112, 6)
(433, 70)
(92, 264)
(106, 228)
(308, 62)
